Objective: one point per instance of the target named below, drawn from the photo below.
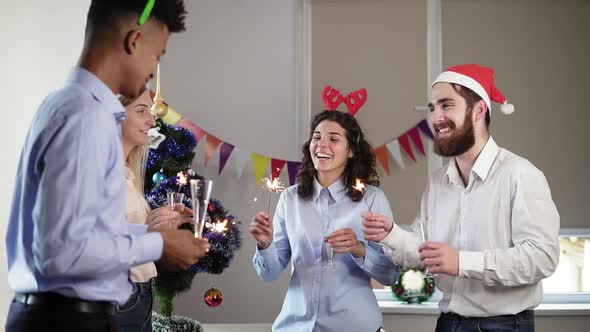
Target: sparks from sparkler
(360, 186)
(274, 186)
(219, 227)
(180, 180)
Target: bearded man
(490, 224)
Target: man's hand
(182, 249)
(375, 226)
(345, 240)
(261, 229)
(440, 258)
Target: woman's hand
(261, 229)
(345, 240)
(162, 218)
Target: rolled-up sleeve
(375, 263)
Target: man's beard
(459, 142)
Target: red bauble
(213, 297)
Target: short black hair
(104, 13)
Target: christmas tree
(174, 154)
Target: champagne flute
(428, 274)
(330, 266)
(175, 201)
(200, 192)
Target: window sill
(431, 308)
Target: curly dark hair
(104, 13)
(361, 165)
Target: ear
(131, 41)
(479, 110)
(350, 153)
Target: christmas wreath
(413, 286)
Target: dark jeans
(56, 317)
(136, 314)
(521, 322)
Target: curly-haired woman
(323, 207)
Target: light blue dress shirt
(67, 231)
(319, 299)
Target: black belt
(522, 314)
(78, 305)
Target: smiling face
(139, 120)
(329, 149)
(452, 120)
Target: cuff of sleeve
(137, 229)
(364, 262)
(152, 247)
(268, 253)
(471, 264)
(395, 238)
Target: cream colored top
(136, 212)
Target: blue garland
(179, 143)
(222, 247)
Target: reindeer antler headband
(354, 100)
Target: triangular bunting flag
(196, 130)
(242, 159)
(415, 136)
(396, 153)
(404, 142)
(423, 125)
(276, 166)
(259, 164)
(212, 144)
(293, 168)
(171, 117)
(224, 153)
(381, 154)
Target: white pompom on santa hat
(480, 79)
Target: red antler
(332, 98)
(355, 100)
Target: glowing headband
(145, 14)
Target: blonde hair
(137, 158)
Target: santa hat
(479, 79)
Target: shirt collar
(99, 90)
(482, 164)
(336, 190)
(486, 158)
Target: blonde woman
(136, 314)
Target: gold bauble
(159, 109)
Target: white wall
(40, 41)
(234, 73)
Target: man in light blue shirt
(69, 247)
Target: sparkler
(180, 180)
(360, 186)
(274, 186)
(219, 227)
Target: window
(569, 284)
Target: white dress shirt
(504, 225)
